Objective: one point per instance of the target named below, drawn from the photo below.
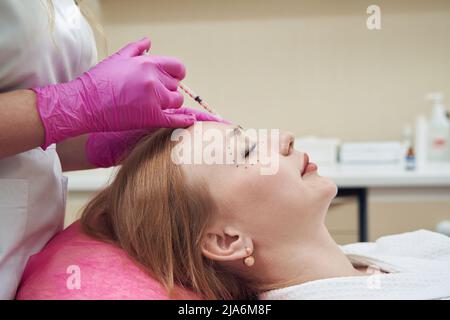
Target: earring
(250, 260)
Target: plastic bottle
(438, 130)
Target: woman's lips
(308, 166)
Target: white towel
(418, 264)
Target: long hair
(159, 219)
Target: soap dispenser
(438, 130)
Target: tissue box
(389, 152)
(320, 150)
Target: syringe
(196, 97)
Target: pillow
(76, 266)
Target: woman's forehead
(206, 132)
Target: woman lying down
(225, 231)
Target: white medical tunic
(32, 187)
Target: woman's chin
(328, 183)
(331, 187)
(327, 187)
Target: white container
(439, 130)
(372, 152)
(421, 142)
(320, 151)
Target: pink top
(76, 266)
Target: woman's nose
(286, 143)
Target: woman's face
(263, 207)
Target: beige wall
(310, 67)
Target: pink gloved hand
(126, 91)
(107, 149)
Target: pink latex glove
(107, 149)
(126, 91)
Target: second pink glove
(107, 149)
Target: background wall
(306, 66)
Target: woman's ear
(226, 244)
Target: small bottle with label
(410, 159)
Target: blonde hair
(159, 219)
